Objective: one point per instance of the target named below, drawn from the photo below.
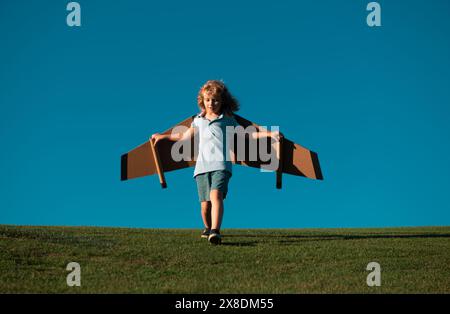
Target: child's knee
(206, 205)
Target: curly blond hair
(218, 88)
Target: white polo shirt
(213, 150)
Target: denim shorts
(214, 180)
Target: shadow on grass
(252, 243)
(286, 239)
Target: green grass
(119, 260)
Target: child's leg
(206, 214)
(216, 197)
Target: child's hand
(277, 135)
(156, 137)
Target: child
(213, 168)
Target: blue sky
(374, 103)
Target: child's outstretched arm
(276, 134)
(174, 136)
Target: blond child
(213, 168)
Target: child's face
(212, 103)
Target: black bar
(225, 303)
(316, 165)
(124, 167)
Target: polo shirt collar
(216, 119)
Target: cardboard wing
(293, 158)
(141, 161)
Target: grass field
(119, 260)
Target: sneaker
(205, 233)
(215, 237)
